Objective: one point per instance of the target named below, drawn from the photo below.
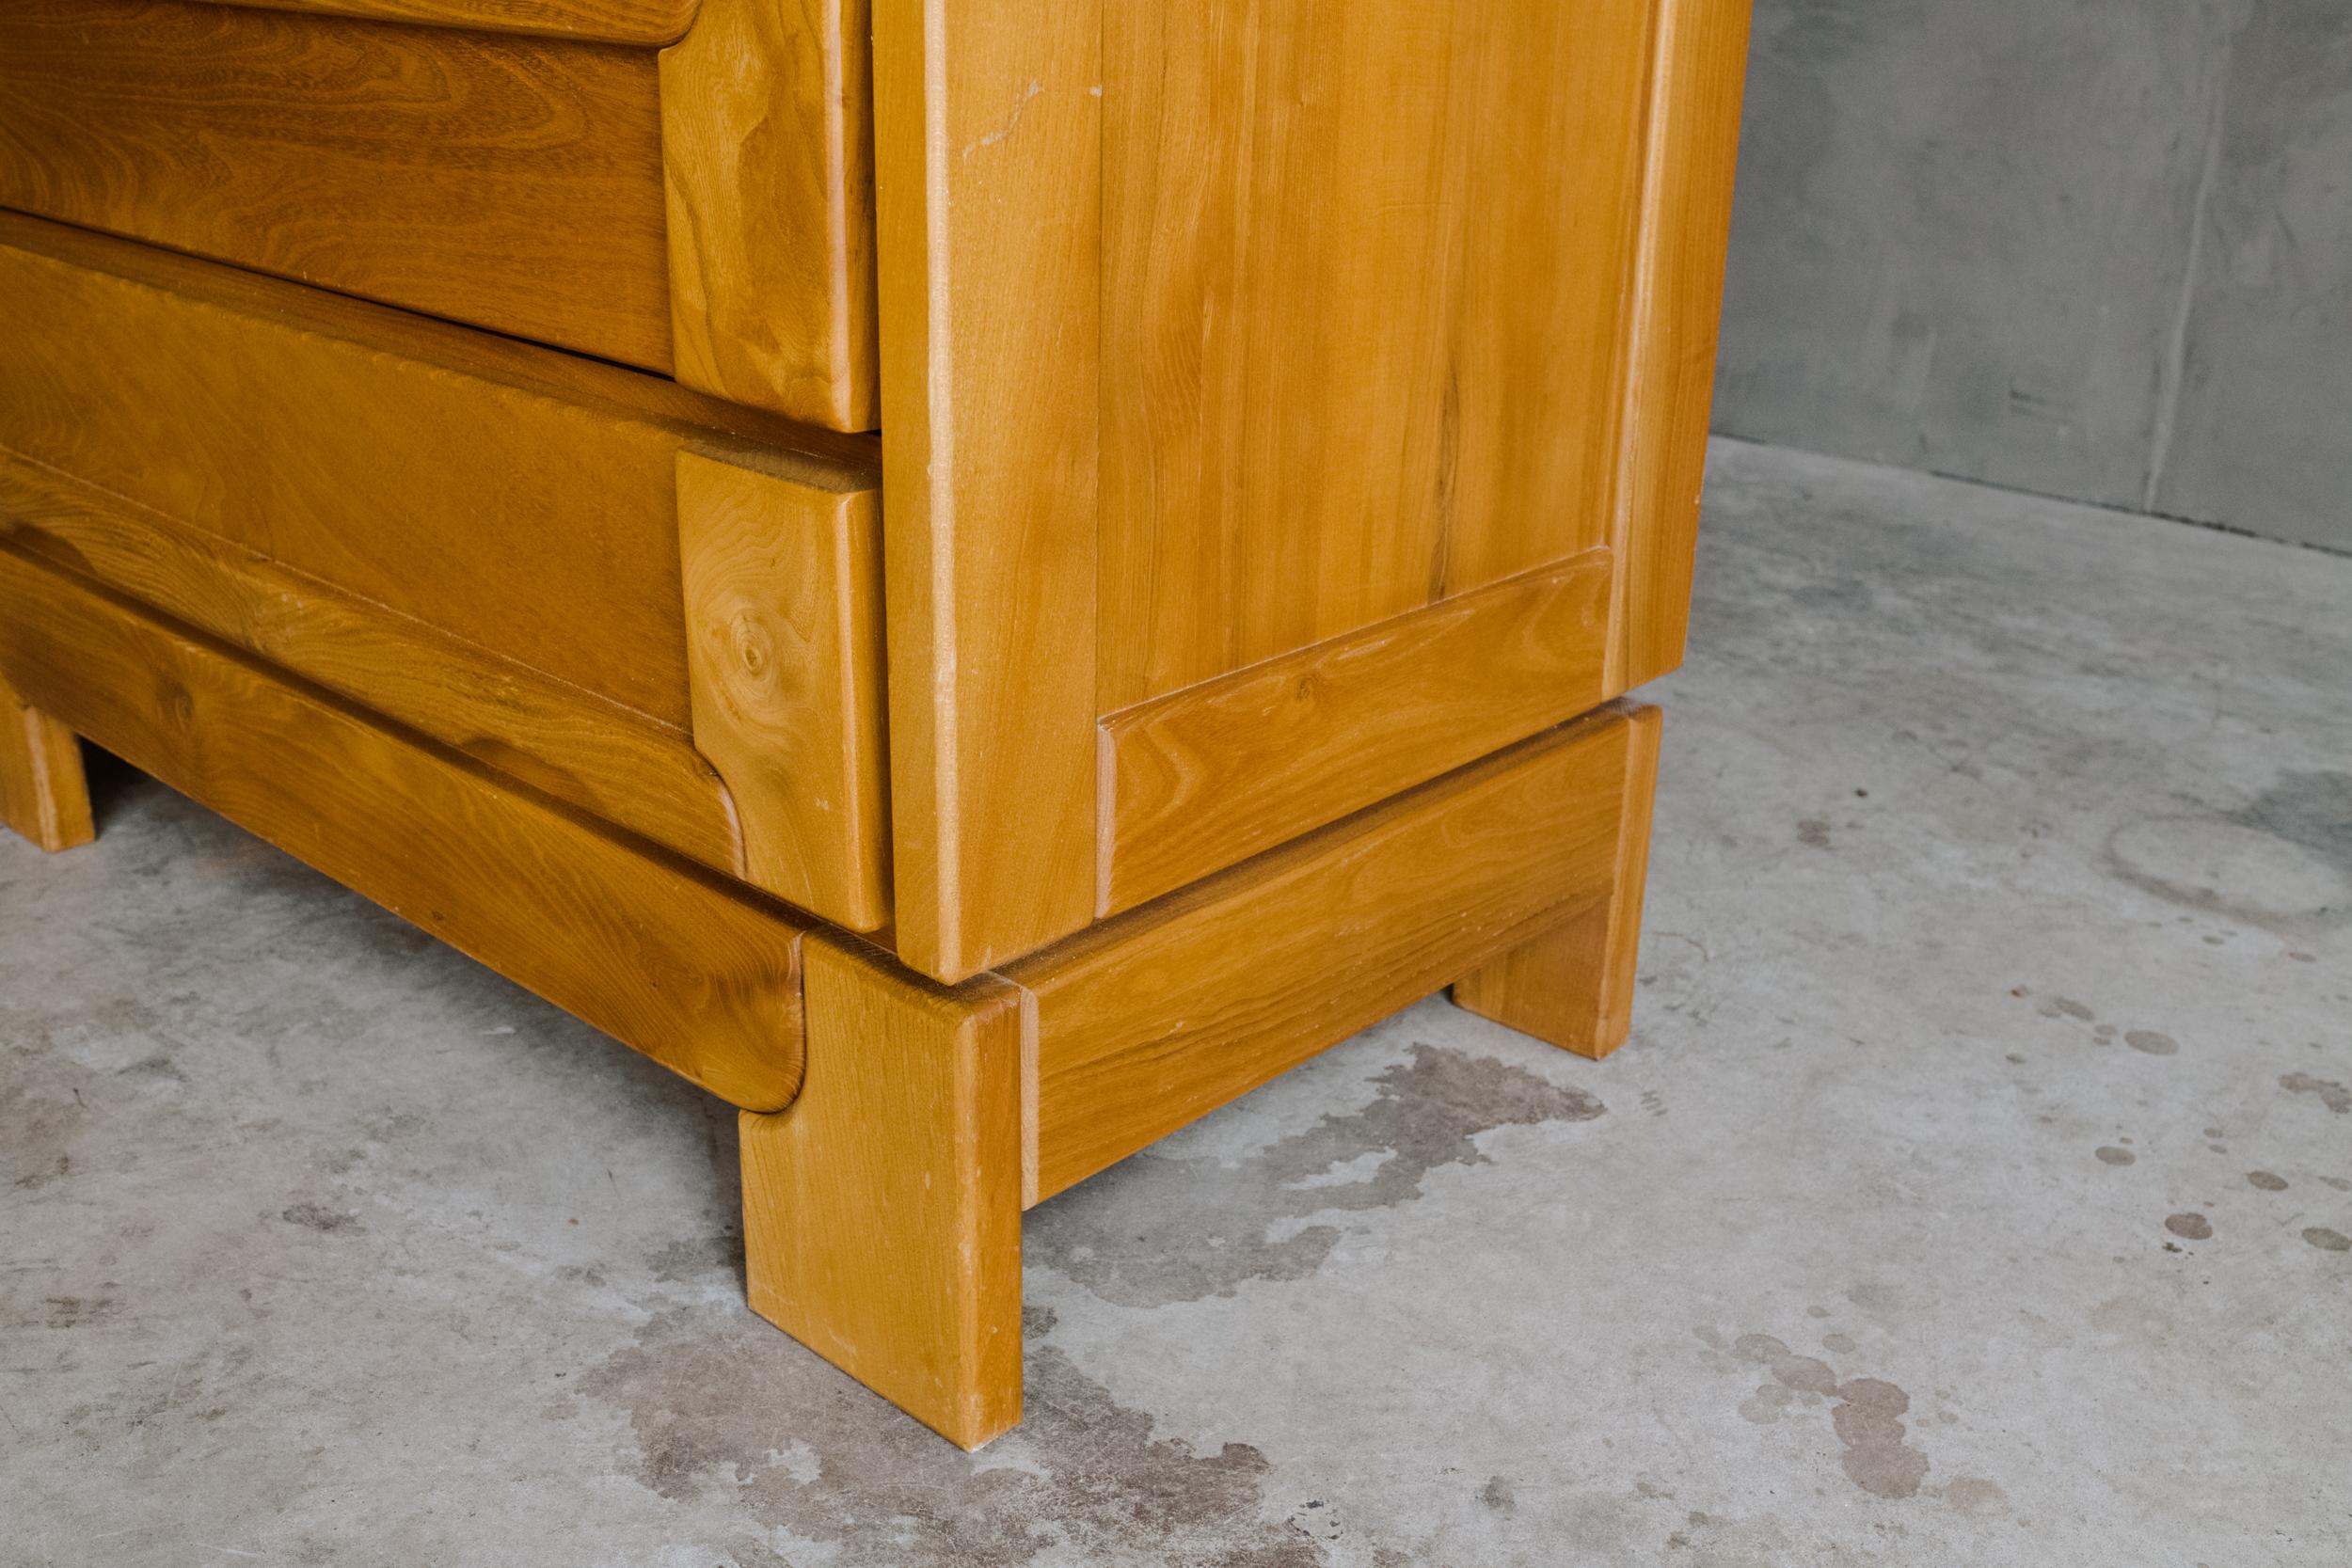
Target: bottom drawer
(660, 607)
(687, 967)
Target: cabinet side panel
(1692, 144)
(1363, 292)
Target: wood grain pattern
(640, 21)
(783, 645)
(636, 772)
(1204, 777)
(1148, 1022)
(1573, 984)
(1690, 149)
(882, 1213)
(480, 355)
(766, 138)
(44, 795)
(691, 970)
(1362, 271)
(511, 182)
(513, 498)
(987, 133)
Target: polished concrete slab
(1975, 1189)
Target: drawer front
(700, 210)
(642, 22)
(658, 606)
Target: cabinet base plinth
(43, 793)
(893, 1129)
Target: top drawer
(541, 168)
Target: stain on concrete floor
(1998, 926)
(1269, 1215)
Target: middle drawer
(660, 608)
(703, 209)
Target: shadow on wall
(2094, 248)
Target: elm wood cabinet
(975, 577)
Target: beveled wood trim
(783, 651)
(1148, 1022)
(766, 144)
(881, 1212)
(988, 158)
(688, 967)
(1203, 778)
(640, 773)
(1689, 156)
(638, 22)
(44, 794)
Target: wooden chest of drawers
(979, 577)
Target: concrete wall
(2095, 248)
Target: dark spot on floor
(2190, 1227)
(1241, 1221)
(77, 1311)
(699, 1257)
(1814, 833)
(2111, 1155)
(1497, 1493)
(2151, 1043)
(317, 1216)
(1838, 1344)
(2231, 864)
(1869, 1419)
(2326, 1240)
(1866, 1413)
(1976, 1497)
(2328, 1093)
(723, 1409)
(1806, 1374)
(2071, 1009)
(2311, 810)
(33, 1181)
(2267, 1180)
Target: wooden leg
(882, 1210)
(1573, 984)
(43, 793)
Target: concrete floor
(1974, 1191)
